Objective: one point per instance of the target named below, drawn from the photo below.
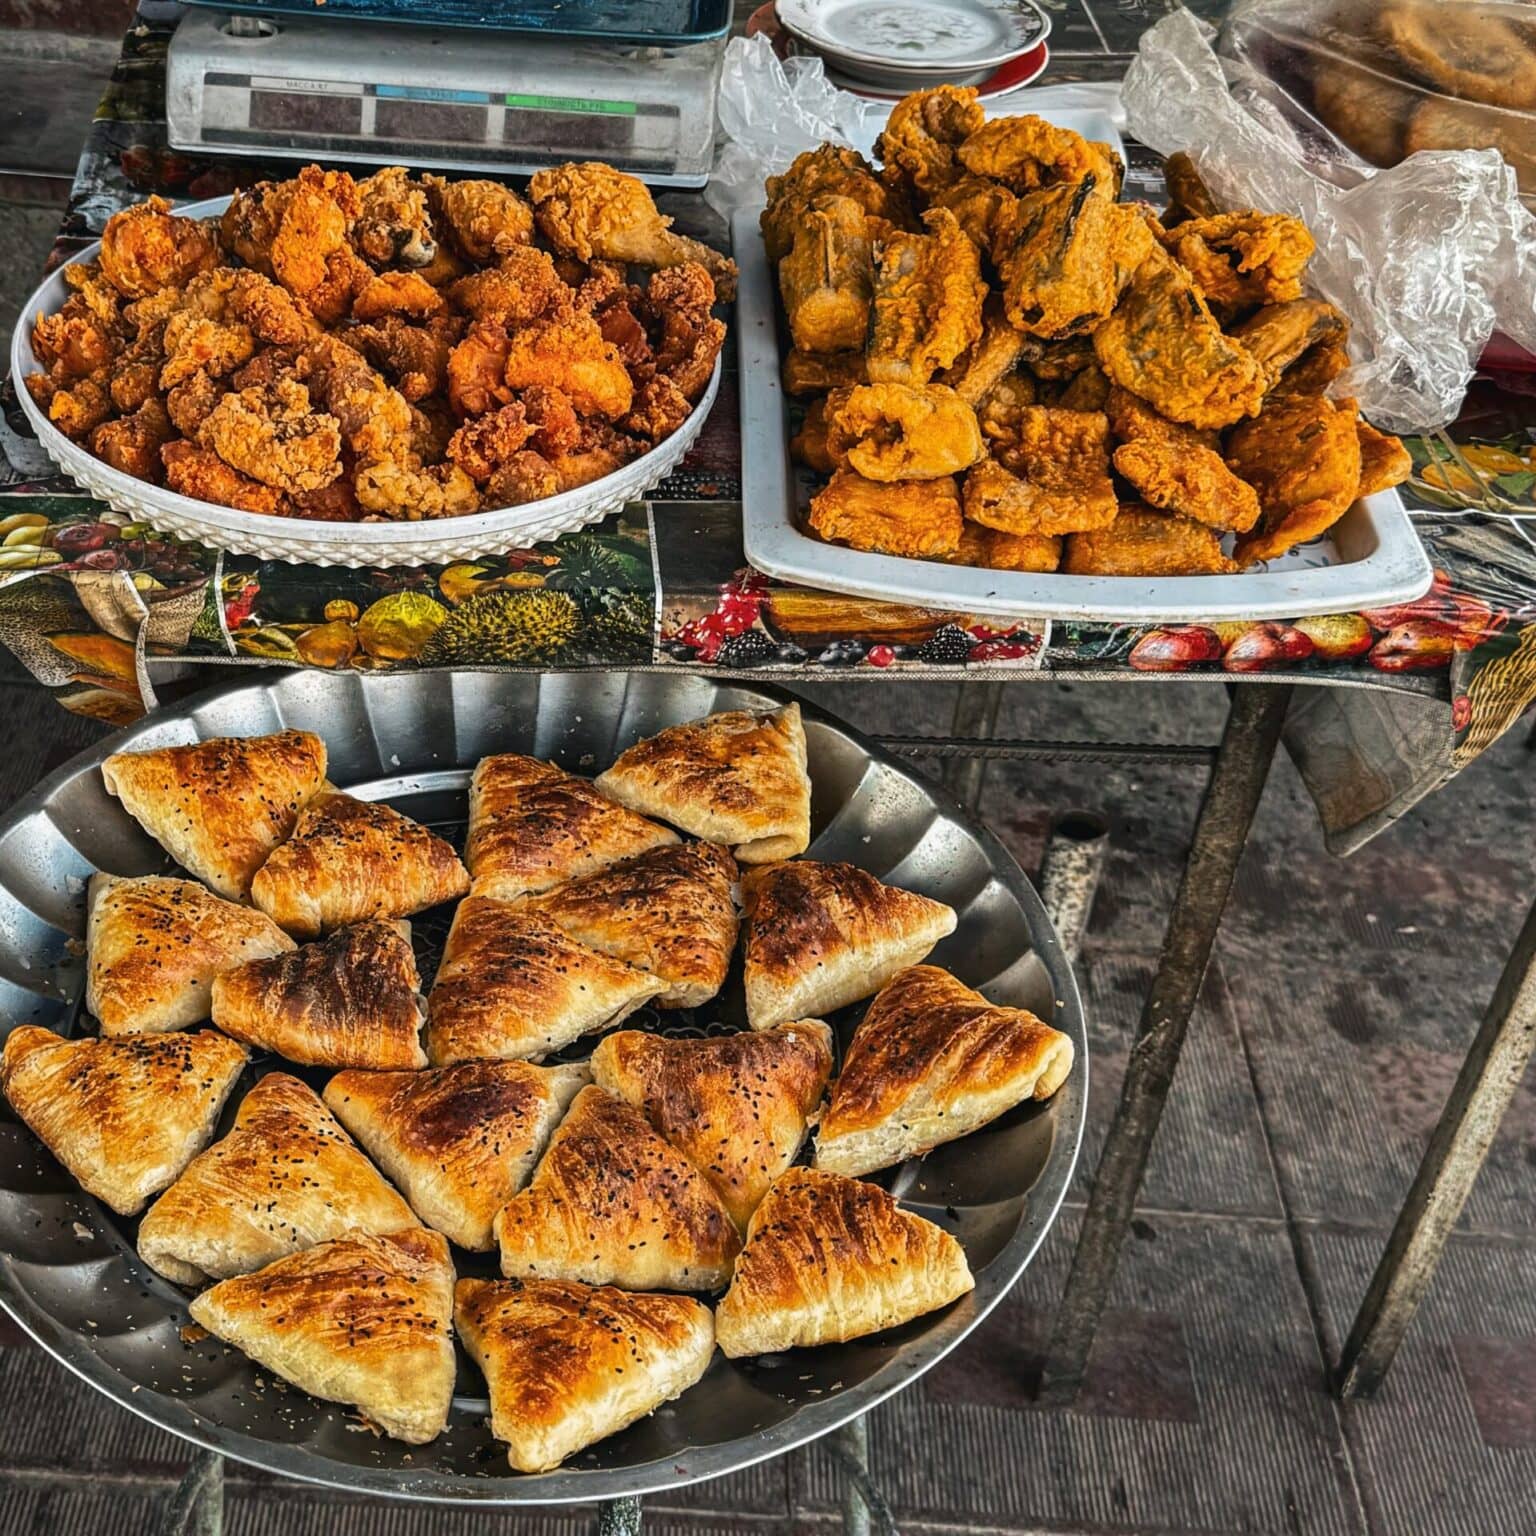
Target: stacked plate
(891, 47)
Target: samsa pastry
(669, 912)
(737, 1105)
(458, 1142)
(533, 826)
(349, 1000)
(820, 936)
(612, 1202)
(285, 1178)
(830, 1259)
(735, 778)
(932, 1061)
(362, 1320)
(219, 807)
(125, 1117)
(154, 945)
(514, 985)
(349, 860)
(620, 1356)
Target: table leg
(976, 710)
(1074, 858)
(1470, 1120)
(1226, 814)
(619, 1517)
(196, 1507)
(865, 1512)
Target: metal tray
(68, 1271)
(301, 541)
(1370, 558)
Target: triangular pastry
(219, 807)
(567, 1365)
(737, 1105)
(734, 778)
(670, 912)
(533, 825)
(830, 1259)
(820, 936)
(613, 1203)
(154, 945)
(458, 1142)
(512, 984)
(351, 999)
(361, 1320)
(124, 1116)
(353, 859)
(285, 1178)
(930, 1061)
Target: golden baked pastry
(820, 936)
(737, 1105)
(154, 945)
(353, 859)
(734, 778)
(123, 1116)
(533, 825)
(670, 912)
(830, 1259)
(219, 807)
(458, 1142)
(613, 1203)
(512, 984)
(931, 1061)
(363, 1320)
(285, 1178)
(567, 1365)
(350, 1000)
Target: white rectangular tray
(1370, 558)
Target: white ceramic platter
(300, 541)
(956, 35)
(989, 83)
(1371, 557)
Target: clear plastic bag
(1426, 258)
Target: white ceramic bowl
(301, 541)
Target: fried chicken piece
(273, 314)
(827, 279)
(392, 227)
(432, 427)
(414, 358)
(191, 402)
(90, 291)
(568, 353)
(919, 518)
(994, 353)
(1085, 391)
(813, 373)
(617, 320)
(407, 491)
(679, 299)
(265, 368)
(599, 450)
(375, 419)
(524, 477)
(333, 503)
(1188, 195)
(75, 406)
(406, 294)
(201, 337)
(660, 408)
(978, 205)
(1000, 412)
(134, 374)
(273, 434)
(826, 171)
(922, 134)
(1141, 542)
(480, 446)
(1241, 259)
(899, 432)
(598, 282)
(1051, 477)
(483, 219)
(1278, 334)
(927, 307)
(445, 268)
(311, 254)
(199, 472)
(147, 247)
(523, 287)
(1163, 344)
(1384, 462)
(249, 224)
(1026, 153)
(1063, 256)
(132, 444)
(1192, 481)
(477, 369)
(1302, 455)
(74, 341)
(589, 210)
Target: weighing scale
(452, 84)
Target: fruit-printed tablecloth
(103, 610)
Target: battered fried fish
(927, 305)
(1026, 152)
(1053, 477)
(1190, 480)
(901, 432)
(1278, 334)
(1141, 542)
(1384, 462)
(994, 354)
(917, 518)
(922, 134)
(827, 279)
(978, 205)
(1188, 195)
(813, 373)
(826, 171)
(1241, 259)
